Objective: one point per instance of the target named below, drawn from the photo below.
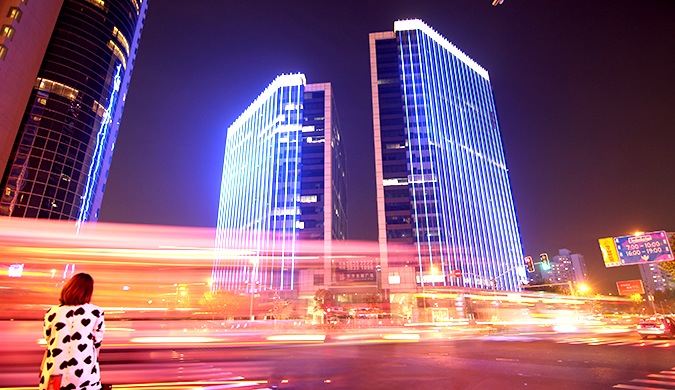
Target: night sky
(584, 89)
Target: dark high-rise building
(283, 182)
(442, 182)
(69, 65)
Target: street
(446, 360)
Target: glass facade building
(283, 182)
(59, 162)
(442, 182)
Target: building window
(122, 39)
(118, 53)
(14, 13)
(7, 31)
(3, 52)
(99, 3)
(308, 199)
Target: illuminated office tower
(655, 278)
(69, 77)
(442, 182)
(283, 182)
(567, 267)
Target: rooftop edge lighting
(284, 80)
(417, 24)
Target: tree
(669, 266)
(281, 308)
(323, 300)
(665, 300)
(222, 304)
(636, 298)
(638, 302)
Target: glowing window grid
(462, 208)
(259, 208)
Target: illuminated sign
(609, 253)
(630, 287)
(355, 271)
(643, 248)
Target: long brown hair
(77, 290)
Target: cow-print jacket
(73, 335)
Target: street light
(252, 285)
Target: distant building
(65, 68)
(441, 177)
(567, 267)
(655, 279)
(283, 181)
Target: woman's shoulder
(93, 309)
(54, 309)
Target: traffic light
(529, 264)
(545, 264)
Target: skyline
(566, 77)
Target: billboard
(609, 254)
(636, 249)
(643, 248)
(630, 287)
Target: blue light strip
(260, 191)
(462, 205)
(101, 141)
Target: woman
(73, 331)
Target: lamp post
(250, 308)
(252, 285)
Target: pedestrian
(73, 331)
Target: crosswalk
(628, 340)
(655, 381)
(662, 380)
(623, 341)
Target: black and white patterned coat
(73, 335)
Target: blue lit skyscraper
(442, 182)
(67, 71)
(282, 182)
